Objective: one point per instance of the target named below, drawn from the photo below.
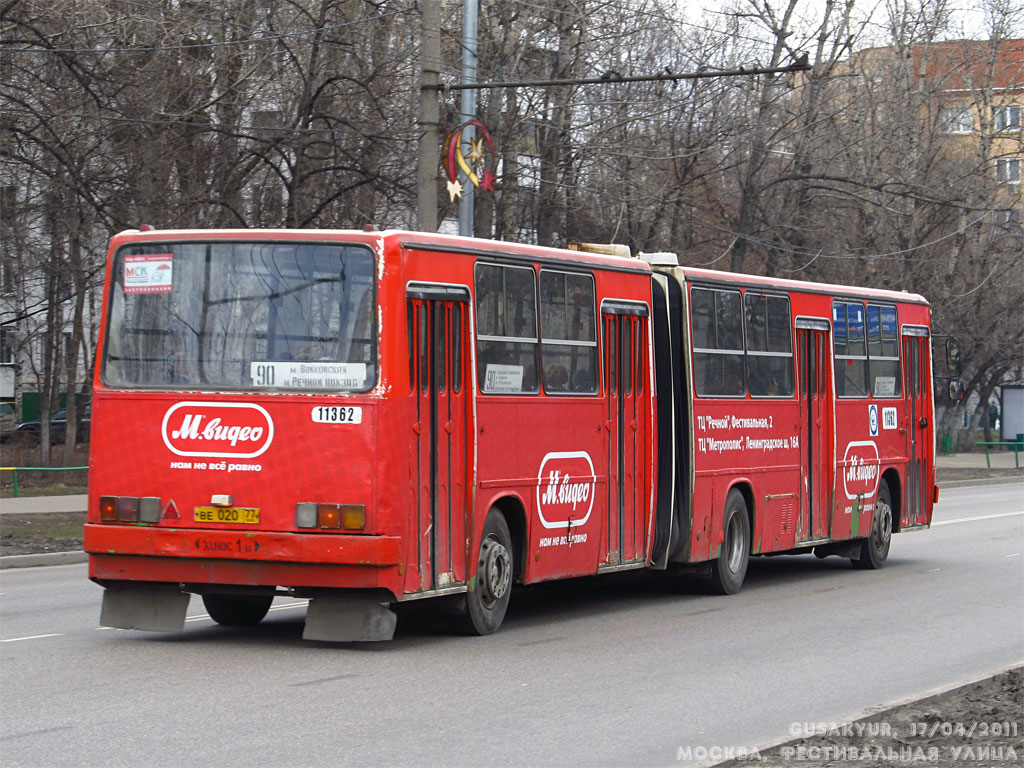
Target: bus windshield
(230, 315)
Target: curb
(873, 712)
(47, 558)
(1006, 480)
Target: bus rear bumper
(234, 557)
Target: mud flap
(151, 608)
(348, 619)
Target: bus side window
(507, 343)
(716, 320)
(769, 345)
(568, 332)
(410, 312)
(457, 347)
(883, 352)
(850, 349)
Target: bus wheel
(491, 587)
(728, 571)
(874, 550)
(237, 610)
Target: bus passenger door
(625, 334)
(814, 353)
(438, 332)
(917, 382)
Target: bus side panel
(551, 452)
(747, 442)
(871, 437)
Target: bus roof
(694, 275)
(406, 238)
(484, 247)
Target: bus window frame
(846, 303)
(545, 341)
(695, 350)
(535, 340)
(898, 383)
(147, 247)
(748, 353)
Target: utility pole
(430, 115)
(468, 105)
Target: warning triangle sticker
(171, 511)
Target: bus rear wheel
(237, 610)
(874, 550)
(729, 570)
(491, 587)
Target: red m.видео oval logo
(566, 486)
(220, 430)
(860, 469)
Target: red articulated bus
(365, 418)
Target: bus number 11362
(337, 414)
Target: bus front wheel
(874, 550)
(729, 570)
(237, 610)
(491, 587)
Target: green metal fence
(16, 470)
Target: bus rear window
(280, 316)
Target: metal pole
(430, 139)
(468, 106)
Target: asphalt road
(616, 671)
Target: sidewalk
(1000, 460)
(26, 504)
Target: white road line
(979, 517)
(302, 604)
(32, 637)
(1015, 554)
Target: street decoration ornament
(473, 163)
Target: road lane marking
(933, 570)
(301, 604)
(979, 517)
(32, 637)
(1015, 554)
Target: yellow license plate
(238, 515)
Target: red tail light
(108, 508)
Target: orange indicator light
(353, 516)
(328, 516)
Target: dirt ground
(36, 533)
(979, 724)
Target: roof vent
(605, 249)
(660, 259)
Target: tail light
(130, 509)
(330, 517)
(108, 508)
